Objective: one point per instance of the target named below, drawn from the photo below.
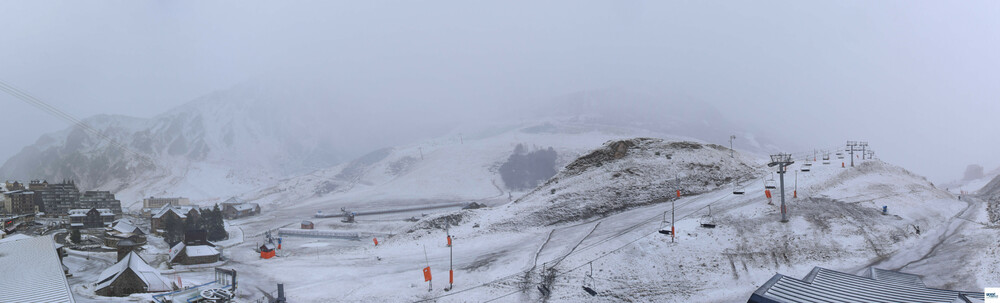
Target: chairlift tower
(851, 145)
(782, 161)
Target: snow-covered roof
(15, 237)
(125, 226)
(201, 251)
(245, 206)
(192, 251)
(824, 285)
(180, 211)
(174, 251)
(233, 200)
(39, 273)
(155, 282)
(83, 212)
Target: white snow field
(604, 212)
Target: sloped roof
(245, 206)
(155, 282)
(180, 211)
(824, 285)
(232, 200)
(201, 251)
(126, 227)
(39, 273)
(176, 250)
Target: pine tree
(74, 236)
(173, 231)
(193, 223)
(216, 225)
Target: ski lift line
(605, 240)
(626, 231)
(637, 239)
(520, 273)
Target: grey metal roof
(878, 285)
(37, 273)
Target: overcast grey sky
(920, 80)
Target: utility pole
(421, 152)
(731, 138)
(850, 148)
(782, 160)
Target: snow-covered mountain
(456, 167)
(247, 138)
(224, 143)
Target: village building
(20, 202)
(155, 203)
(180, 213)
(307, 225)
(131, 275)
(195, 249)
(99, 200)
(239, 210)
(35, 269)
(123, 229)
(14, 185)
(56, 199)
(90, 218)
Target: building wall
(183, 258)
(159, 223)
(126, 284)
(58, 199)
(100, 199)
(153, 202)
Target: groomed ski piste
(597, 222)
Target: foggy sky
(919, 80)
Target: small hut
(307, 225)
(267, 251)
